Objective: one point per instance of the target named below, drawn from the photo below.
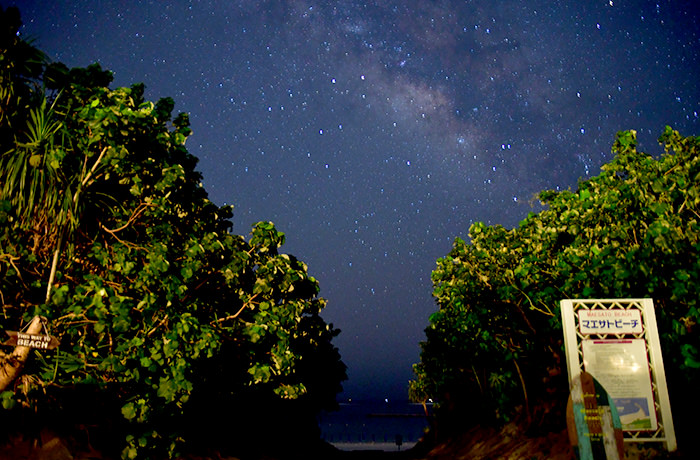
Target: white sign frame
(575, 311)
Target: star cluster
(375, 132)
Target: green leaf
(129, 411)
(7, 399)
(659, 208)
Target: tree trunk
(11, 365)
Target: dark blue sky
(374, 133)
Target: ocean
(374, 425)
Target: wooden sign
(592, 421)
(38, 341)
(41, 342)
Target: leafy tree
(106, 231)
(496, 341)
(20, 64)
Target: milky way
(374, 133)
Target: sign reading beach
(42, 342)
(36, 341)
(617, 342)
(609, 322)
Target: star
(374, 133)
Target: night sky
(373, 133)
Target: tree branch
(54, 266)
(160, 323)
(139, 209)
(522, 383)
(235, 315)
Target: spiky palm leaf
(34, 183)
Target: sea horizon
(373, 424)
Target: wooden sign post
(616, 343)
(592, 421)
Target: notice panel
(622, 367)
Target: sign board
(609, 322)
(617, 342)
(38, 341)
(20, 339)
(622, 367)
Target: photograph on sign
(622, 367)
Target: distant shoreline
(375, 446)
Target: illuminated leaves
(151, 286)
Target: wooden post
(592, 421)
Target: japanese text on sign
(610, 321)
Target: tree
(20, 64)
(106, 231)
(632, 231)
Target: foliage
(630, 232)
(20, 64)
(106, 231)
